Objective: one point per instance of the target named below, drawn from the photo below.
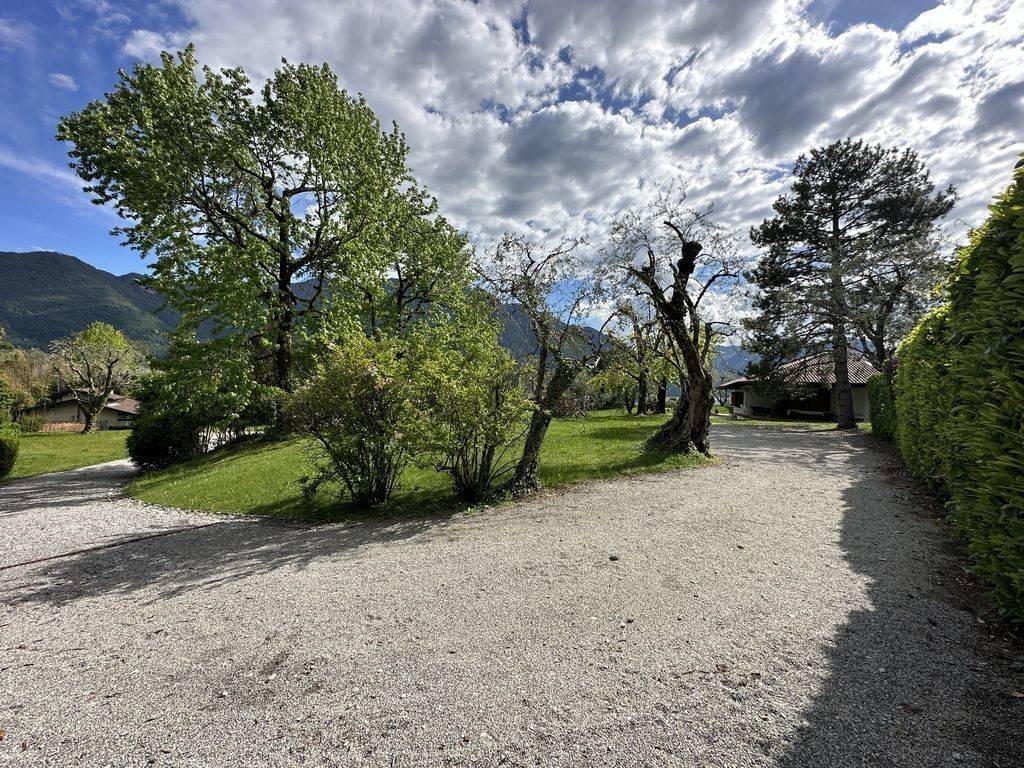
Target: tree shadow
(916, 678)
(206, 556)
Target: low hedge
(960, 399)
(883, 407)
(10, 440)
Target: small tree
(635, 328)
(674, 255)
(838, 254)
(94, 364)
(548, 285)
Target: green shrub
(358, 409)
(467, 391)
(883, 407)
(960, 399)
(31, 422)
(10, 439)
(161, 438)
(7, 400)
(924, 402)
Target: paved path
(793, 607)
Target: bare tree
(677, 256)
(547, 284)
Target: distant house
(812, 390)
(119, 413)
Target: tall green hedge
(960, 399)
(924, 401)
(883, 406)
(10, 439)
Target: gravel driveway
(795, 606)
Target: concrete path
(795, 606)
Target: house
(118, 413)
(812, 390)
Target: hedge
(883, 407)
(10, 438)
(960, 399)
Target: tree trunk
(526, 478)
(662, 396)
(91, 424)
(701, 405)
(844, 392)
(641, 396)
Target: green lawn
(262, 477)
(42, 452)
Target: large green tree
(270, 212)
(824, 279)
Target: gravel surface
(795, 606)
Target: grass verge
(262, 477)
(43, 452)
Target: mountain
(46, 295)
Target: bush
(31, 422)
(161, 438)
(924, 402)
(357, 408)
(883, 407)
(960, 399)
(10, 439)
(467, 390)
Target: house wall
(751, 399)
(68, 412)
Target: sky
(550, 116)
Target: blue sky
(549, 115)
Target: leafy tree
(674, 255)
(92, 365)
(636, 330)
(854, 212)
(260, 209)
(549, 286)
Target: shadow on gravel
(77, 488)
(206, 557)
(916, 680)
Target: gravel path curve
(795, 606)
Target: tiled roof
(818, 369)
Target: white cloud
(63, 81)
(513, 127)
(14, 34)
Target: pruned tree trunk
(91, 425)
(526, 478)
(641, 395)
(690, 425)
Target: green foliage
(10, 439)
(7, 400)
(467, 391)
(31, 422)
(924, 401)
(204, 394)
(93, 364)
(960, 399)
(883, 407)
(276, 217)
(358, 409)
